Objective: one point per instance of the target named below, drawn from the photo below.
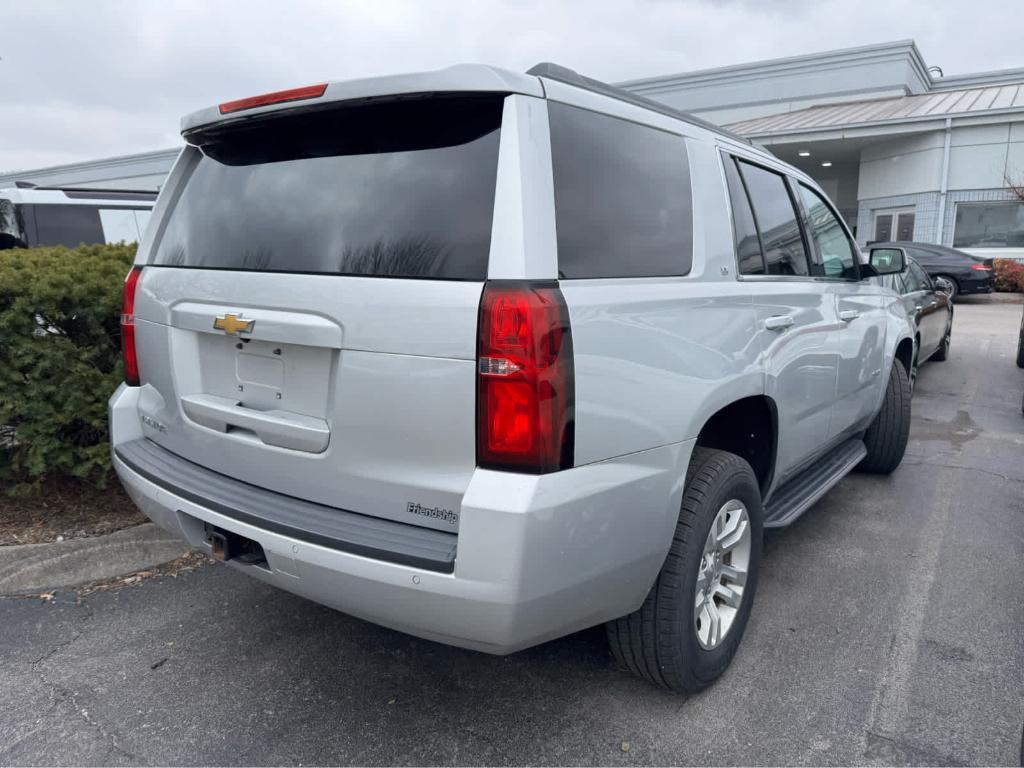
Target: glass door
(894, 225)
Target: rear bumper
(984, 285)
(537, 556)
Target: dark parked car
(1020, 364)
(928, 305)
(1020, 345)
(965, 273)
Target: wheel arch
(749, 428)
(905, 350)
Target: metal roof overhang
(882, 117)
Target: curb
(991, 298)
(33, 568)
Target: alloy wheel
(722, 574)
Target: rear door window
(744, 228)
(777, 221)
(67, 225)
(399, 188)
(622, 197)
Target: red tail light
(525, 382)
(981, 267)
(131, 359)
(277, 97)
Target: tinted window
(916, 278)
(397, 189)
(989, 225)
(777, 221)
(835, 251)
(744, 230)
(68, 225)
(622, 197)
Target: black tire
(658, 641)
(1020, 347)
(886, 438)
(942, 353)
(954, 286)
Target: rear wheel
(954, 287)
(886, 438)
(691, 623)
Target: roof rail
(99, 192)
(571, 77)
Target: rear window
(68, 225)
(398, 188)
(622, 197)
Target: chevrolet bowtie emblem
(233, 325)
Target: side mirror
(888, 261)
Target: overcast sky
(95, 78)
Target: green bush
(60, 359)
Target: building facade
(904, 152)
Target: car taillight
(277, 97)
(525, 381)
(128, 354)
(981, 267)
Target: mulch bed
(66, 510)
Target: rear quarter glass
(396, 188)
(622, 197)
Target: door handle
(849, 314)
(917, 307)
(280, 428)
(779, 322)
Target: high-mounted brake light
(277, 97)
(128, 354)
(525, 381)
(981, 267)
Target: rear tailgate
(307, 321)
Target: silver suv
(490, 358)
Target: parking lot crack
(980, 470)
(63, 696)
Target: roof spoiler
(571, 77)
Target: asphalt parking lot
(888, 628)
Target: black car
(965, 273)
(928, 305)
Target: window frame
(729, 158)
(980, 204)
(808, 226)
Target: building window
(989, 225)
